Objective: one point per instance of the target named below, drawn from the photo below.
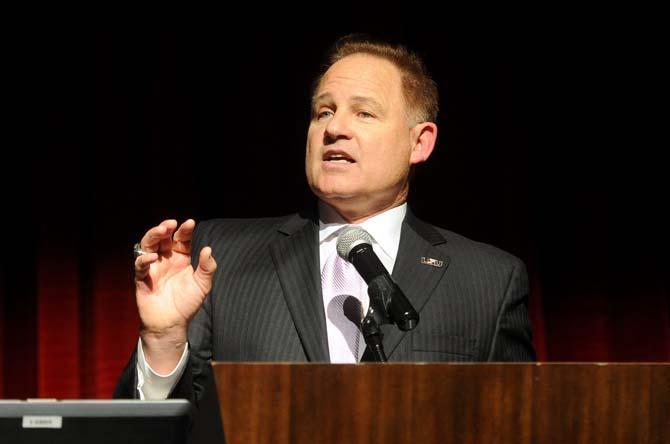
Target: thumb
(205, 271)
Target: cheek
(310, 149)
(391, 159)
(312, 166)
(310, 171)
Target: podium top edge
(461, 364)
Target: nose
(338, 127)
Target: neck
(356, 215)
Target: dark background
(546, 149)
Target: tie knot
(342, 276)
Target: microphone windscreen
(349, 237)
(353, 310)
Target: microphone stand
(370, 324)
(373, 337)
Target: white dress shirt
(385, 231)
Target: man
(261, 289)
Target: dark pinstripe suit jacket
(266, 303)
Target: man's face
(359, 140)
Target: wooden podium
(444, 403)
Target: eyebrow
(320, 97)
(364, 100)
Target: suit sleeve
(126, 387)
(512, 340)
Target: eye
(323, 113)
(365, 115)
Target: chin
(332, 190)
(335, 192)
(332, 198)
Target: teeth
(340, 158)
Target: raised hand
(169, 291)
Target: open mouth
(337, 157)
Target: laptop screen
(94, 421)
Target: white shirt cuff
(152, 385)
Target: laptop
(94, 421)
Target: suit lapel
(417, 280)
(296, 259)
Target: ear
(423, 137)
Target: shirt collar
(384, 227)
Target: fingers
(143, 263)
(163, 238)
(182, 237)
(206, 268)
(152, 240)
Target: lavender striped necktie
(345, 298)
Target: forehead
(362, 75)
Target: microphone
(354, 245)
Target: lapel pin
(431, 261)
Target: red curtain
(83, 335)
(86, 332)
